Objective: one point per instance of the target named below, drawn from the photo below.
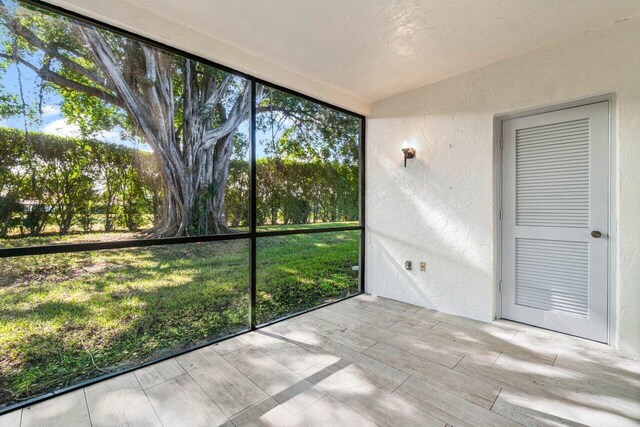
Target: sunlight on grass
(68, 317)
(306, 226)
(318, 269)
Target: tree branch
(237, 114)
(267, 109)
(217, 94)
(50, 49)
(57, 79)
(130, 99)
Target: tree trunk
(108, 218)
(193, 151)
(155, 205)
(65, 220)
(194, 159)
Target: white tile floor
(363, 362)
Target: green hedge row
(63, 184)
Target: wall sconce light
(409, 153)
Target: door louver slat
(552, 175)
(552, 275)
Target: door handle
(596, 234)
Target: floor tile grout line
(351, 407)
(205, 393)
(267, 394)
(294, 342)
(164, 381)
(211, 398)
(314, 402)
(488, 346)
(441, 334)
(325, 391)
(296, 373)
(389, 302)
(86, 401)
(435, 385)
(377, 309)
(361, 312)
(443, 390)
(418, 408)
(149, 400)
(348, 329)
(312, 314)
(393, 324)
(496, 399)
(335, 324)
(388, 312)
(398, 386)
(324, 337)
(409, 376)
(561, 338)
(352, 331)
(381, 362)
(371, 313)
(502, 415)
(495, 361)
(406, 315)
(372, 345)
(458, 362)
(296, 414)
(276, 361)
(414, 354)
(464, 398)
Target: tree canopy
(191, 114)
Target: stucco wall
(441, 208)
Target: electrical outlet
(423, 266)
(407, 265)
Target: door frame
(612, 242)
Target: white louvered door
(555, 195)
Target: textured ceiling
(372, 49)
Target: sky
(53, 122)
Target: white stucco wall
(441, 208)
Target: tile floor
(366, 361)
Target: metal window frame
(252, 235)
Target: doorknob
(596, 234)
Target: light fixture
(409, 153)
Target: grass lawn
(69, 317)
